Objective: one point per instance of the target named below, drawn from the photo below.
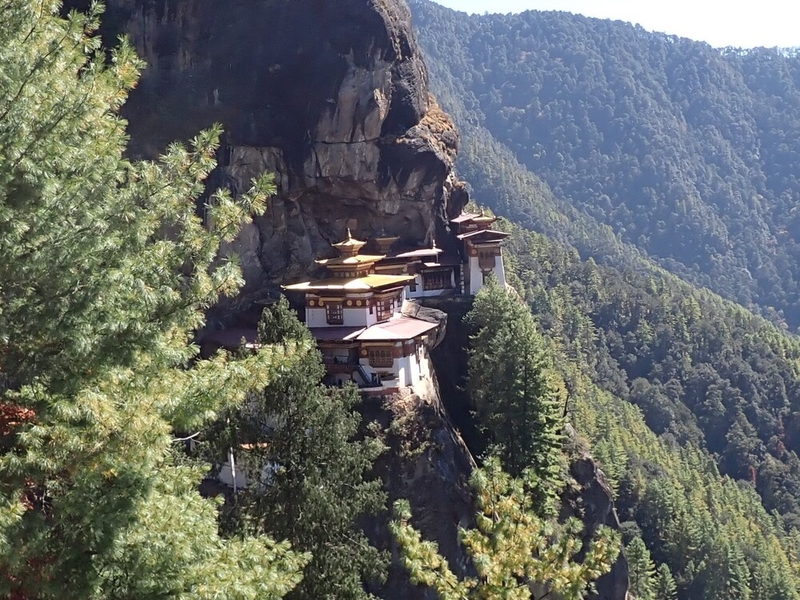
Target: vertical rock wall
(331, 96)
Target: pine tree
(665, 588)
(642, 570)
(315, 488)
(517, 396)
(724, 574)
(513, 549)
(104, 274)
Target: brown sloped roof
(488, 233)
(399, 328)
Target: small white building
(396, 352)
(481, 249)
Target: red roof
(399, 328)
(335, 334)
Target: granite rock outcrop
(332, 97)
(428, 464)
(594, 503)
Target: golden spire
(350, 246)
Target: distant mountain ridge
(684, 151)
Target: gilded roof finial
(349, 235)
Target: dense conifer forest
(664, 381)
(686, 152)
(657, 172)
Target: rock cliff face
(596, 501)
(330, 96)
(429, 465)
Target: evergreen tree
(725, 574)
(642, 570)
(514, 550)
(314, 488)
(517, 396)
(665, 587)
(104, 274)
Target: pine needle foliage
(641, 570)
(314, 487)
(104, 274)
(515, 393)
(666, 589)
(517, 554)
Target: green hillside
(633, 155)
(686, 152)
(690, 403)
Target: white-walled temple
(481, 250)
(355, 317)
(355, 311)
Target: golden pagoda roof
(386, 238)
(358, 259)
(384, 241)
(352, 284)
(349, 246)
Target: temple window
(334, 313)
(381, 357)
(439, 280)
(486, 259)
(384, 308)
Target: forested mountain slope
(687, 152)
(680, 393)
(638, 150)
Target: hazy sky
(720, 23)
